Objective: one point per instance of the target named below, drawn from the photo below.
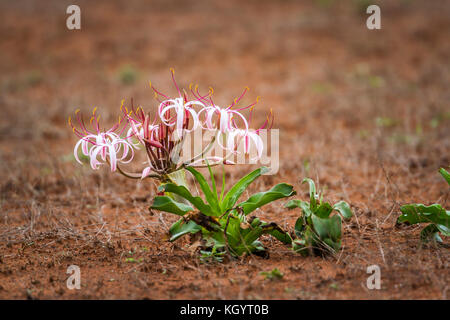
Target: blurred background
(364, 112)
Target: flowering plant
(163, 136)
(221, 222)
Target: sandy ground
(365, 113)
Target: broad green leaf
(445, 174)
(259, 199)
(312, 192)
(164, 203)
(236, 191)
(445, 230)
(184, 192)
(281, 236)
(336, 228)
(419, 213)
(178, 177)
(327, 228)
(211, 197)
(323, 210)
(292, 204)
(180, 228)
(344, 209)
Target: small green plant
(223, 224)
(437, 217)
(211, 256)
(127, 74)
(316, 230)
(274, 274)
(33, 78)
(385, 122)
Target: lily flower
(163, 137)
(177, 112)
(249, 136)
(183, 110)
(107, 144)
(226, 118)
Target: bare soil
(363, 112)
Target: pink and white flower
(248, 137)
(184, 110)
(108, 145)
(163, 137)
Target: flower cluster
(162, 136)
(106, 144)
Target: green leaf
(184, 192)
(430, 232)
(236, 191)
(222, 191)
(333, 245)
(281, 236)
(232, 230)
(178, 177)
(312, 192)
(214, 238)
(164, 203)
(306, 208)
(299, 204)
(211, 197)
(344, 209)
(213, 180)
(180, 228)
(255, 222)
(445, 174)
(244, 240)
(292, 204)
(445, 230)
(323, 211)
(419, 213)
(336, 226)
(252, 235)
(273, 229)
(299, 245)
(328, 228)
(310, 236)
(299, 226)
(259, 199)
